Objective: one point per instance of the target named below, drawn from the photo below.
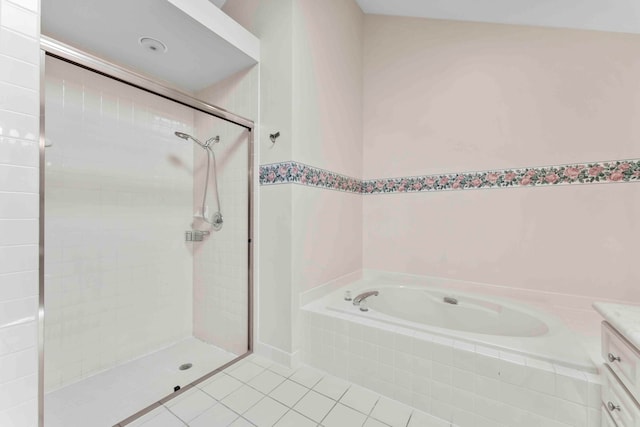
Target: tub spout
(363, 296)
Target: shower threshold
(111, 396)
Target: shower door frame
(56, 49)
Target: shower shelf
(195, 235)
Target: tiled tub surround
(615, 171)
(465, 381)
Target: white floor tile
(314, 406)
(360, 399)
(241, 422)
(222, 386)
(289, 393)
(242, 399)
(266, 412)
(281, 370)
(332, 387)
(192, 405)
(218, 416)
(420, 419)
(306, 376)
(145, 418)
(266, 381)
(341, 416)
(391, 412)
(372, 422)
(294, 419)
(181, 397)
(260, 361)
(245, 371)
(164, 419)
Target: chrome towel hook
(274, 136)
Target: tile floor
(256, 392)
(113, 395)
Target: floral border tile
(587, 173)
(299, 173)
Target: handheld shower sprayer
(216, 219)
(206, 144)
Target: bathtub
(486, 360)
(489, 321)
(420, 308)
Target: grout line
(374, 406)
(13, 58)
(409, 420)
(335, 403)
(26, 9)
(13, 165)
(33, 91)
(21, 192)
(172, 413)
(303, 415)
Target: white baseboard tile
(290, 360)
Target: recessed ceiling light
(152, 45)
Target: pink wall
(451, 96)
(327, 129)
(327, 85)
(444, 96)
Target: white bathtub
(463, 313)
(488, 321)
(484, 361)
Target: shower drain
(185, 366)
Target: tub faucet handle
(363, 296)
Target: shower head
(182, 135)
(187, 137)
(206, 144)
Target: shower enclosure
(146, 250)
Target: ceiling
(196, 56)
(218, 3)
(602, 15)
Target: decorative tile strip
(299, 173)
(588, 173)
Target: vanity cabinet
(621, 387)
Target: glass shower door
(143, 295)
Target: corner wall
(220, 260)
(311, 91)
(272, 23)
(327, 130)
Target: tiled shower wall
(19, 110)
(119, 185)
(220, 300)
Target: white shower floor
(111, 396)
